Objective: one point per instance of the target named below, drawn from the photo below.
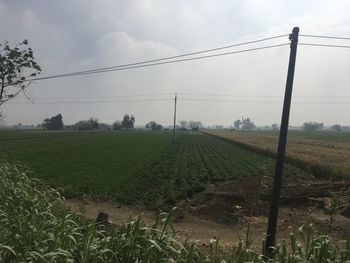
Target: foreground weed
(35, 227)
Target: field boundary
(316, 169)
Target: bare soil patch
(225, 211)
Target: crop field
(324, 153)
(133, 166)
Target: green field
(132, 166)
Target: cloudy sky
(74, 35)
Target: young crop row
(195, 161)
(133, 166)
(35, 227)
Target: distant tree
(312, 126)
(195, 125)
(93, 123)
(154, 126)
(237, 124)
(274, 127)
(89, 124)
(183, 125)
(336, 127)
(128, 121)
(54, 123)
(104, 126)
(17, 66)
(117, 125)
(247, 124)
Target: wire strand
(171, 57)
(328, 37)
(87, 102)
(323, 45)
(161, 63)
(241, 101)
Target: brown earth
(226, 211)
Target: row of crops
(132, 166)
(195, 161)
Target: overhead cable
(160, 63)
(172, 57)
(327, 37)
(323, 45)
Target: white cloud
(78, 35)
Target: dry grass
(322, 156)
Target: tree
(128, 121)
(336, 127)
(17, 66)
(89, 124)
(54, 123)
(117, 125)
(247, 124)
(154, 126)
(195, 125)
(237, 124)
(183, 125)
(312, 126)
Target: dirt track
(224, 213)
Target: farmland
(323, 153)
(121, 165)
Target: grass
(121, 165)
(325, 154)
(35, 227)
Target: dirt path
(224, 213)
(200, 230)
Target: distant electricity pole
(273, 216)
(174, 128)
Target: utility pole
(174, 128)
(273, 216)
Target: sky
(68, 36)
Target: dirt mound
(229, 203)
(238, 201)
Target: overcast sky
(77, 35)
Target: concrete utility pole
(273, 216)
(174, 128)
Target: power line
(327, 37)
(323, 45)
(162, 63)
(265, 102)
(256, 96)
(167, 58)
(182, 99)
(170, 95)
(108, 97)
(87, 102)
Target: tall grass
(35, 227)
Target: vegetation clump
(35, 227)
